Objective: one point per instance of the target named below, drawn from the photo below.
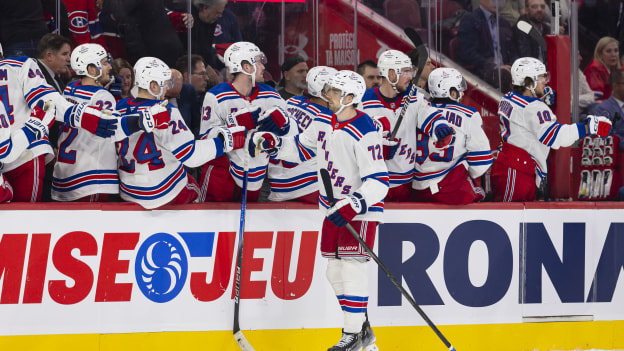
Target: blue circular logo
(160, 267)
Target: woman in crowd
(606, 58)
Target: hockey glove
(233, 138)
(115, 87)
(275, 121)
(598, 125)
(34, 129)
(346, 209)
(443, 136)
(390, 147)
(156, 116)
(43, 111)
(246, 117)
(90, 119)
(265, 142)
(549, 97)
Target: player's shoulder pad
(370, 94)
(520, 100)
(16, 61)
(360, 125)
(297, 100)
(463, 109)
(221, 89)
(324, 117)
(267, 91)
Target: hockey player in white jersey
(349, 146)
(298, 181)
(529, 129)
(22, 86)
(446, 175)
(247, 102)
(151, 164)
(387, 101)
(14, 141)
(86, 166)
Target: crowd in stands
(445, 152)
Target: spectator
(205, 13)
(527, 46)
(294, 71)
(510, 9)
(227, 29)
(369, 70)
(614, 104)
(424, 76)
(192, 94)
(606, 59)
(53, 53)
(587, 97)
(485, 47)
(146, 29)
(124, 79)
(22, 24)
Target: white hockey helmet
(240, 52)
(393, 60)
(316, 79)
(349, 83)
(527, 67)
(442, 80)
(85, 55)
(148, 70)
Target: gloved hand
(233, 138)
(90, 119)
(115, 87)
(156, 116)
(549, 97)
(34, 129)
(346, 209)
(44, 111)
(390, 147)
(598, 125)
(443, 135)
(246, 117)
(265, 142)
(275, 121)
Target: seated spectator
(294, 71)
(606, 59)
(124, 79)
(614, 105)
(369, 70)
(527, 46)
(486, 47)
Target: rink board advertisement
(94, 272)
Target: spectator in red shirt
(606, 59)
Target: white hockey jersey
(12, 141)
(419, 115)
(292, 180)
(529, 124)
(151, 165)
(351, 152)
(222, 100)
(86, 164)
(22, 86)
(471, 148)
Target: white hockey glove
(34, 129)
(598, 125)
(346, 209)
(233, 138)
(264, 142)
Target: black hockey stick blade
(423, 55)
(329, 192)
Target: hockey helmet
(148, 70)
(88, 54)
(316, 79)
(349, 83)
(442, 80)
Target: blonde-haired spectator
(606, 59)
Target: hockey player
(86, 167)
(151, 164)
(387, 101)
(14, 142)
(245, 102)
(23, 86)
(298, 181)
(529, 129)
(349, 147)
(446, 175)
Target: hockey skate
(368, 338)
(348, 342)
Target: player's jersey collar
(339, 125)
(254, 92)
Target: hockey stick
(422, 60)
(238, 334)
(528, 29)
(325, 177)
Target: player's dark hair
(182, 62)
(51, 42)
(362, 66)
(521, 89)
(615, 76)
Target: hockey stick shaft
(422, 61)
(238, 334)
(325, 177)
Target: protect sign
(142, 271)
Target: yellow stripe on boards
(489, 337)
